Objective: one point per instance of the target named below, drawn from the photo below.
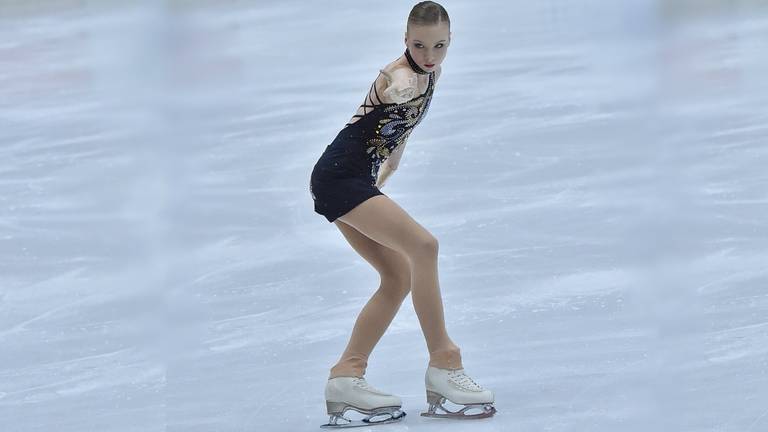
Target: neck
(413, 64)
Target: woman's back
(380, 84)
(376, 132)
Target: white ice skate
(353, 393)
(457, 387)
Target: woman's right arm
(402, 85)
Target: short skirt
(336, 190)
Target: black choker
(413, 64)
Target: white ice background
(595, 172)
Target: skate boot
(457, 387)
(354, 393)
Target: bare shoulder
(401, 74)
(438, 71)
(396, 83)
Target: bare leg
(383, 221)
(381, 309)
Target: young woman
(345, 186)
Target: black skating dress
(346, 173)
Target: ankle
(345, 371)
(337, 374)
(350, 366)
(446, 358)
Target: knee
(425, 246)
(396, 285)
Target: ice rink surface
(595, 173)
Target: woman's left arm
(390, 165)
(394, 158)
(384, 172)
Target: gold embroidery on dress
(394, 129)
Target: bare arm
(402, 85)
(394, 158)
(384, 172)
(390, 165)
(398, 80)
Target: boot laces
(466, 381)
(363, 384)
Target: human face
(428, 44)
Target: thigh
(388, 262)
(384, 221)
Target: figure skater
(345, 186)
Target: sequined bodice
(387, 125)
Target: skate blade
(436, 402)
(487, 412)
(347, 423)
